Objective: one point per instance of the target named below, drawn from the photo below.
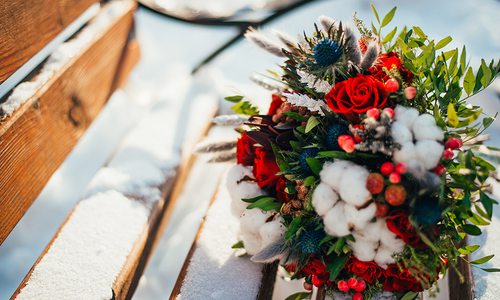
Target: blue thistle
(327, 52)
(332, 134)
(309, 241)
(427, 211)
(304, 155)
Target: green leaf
(487, 203)
(469, 81)
(442, 43)
(468, 249)
(266, 204)
(409, 296)
(389, 36)
(336, 266)
(255, 199)
(314, 164)
(345, 155)
(482, 260)
(310, 180)
(452, 115)
(485, 80)
(245, 108)
(234, 99)
(293, 227)
(490, 270)
(238, 245)
(471, 229)
(311, 123)
(294, 115)
(375, 12)
(300, 296)
(388, 17)
(488, 121)
(419, 32)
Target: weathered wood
(461, 290)
(27, 26)
(36, 139)
(268, 280)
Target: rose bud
(387, 168)
(395, 195)
(343, 286)
(352, 282)
(346, 142)
(360, 286)
(357, 296)
(401, 168)
(439, 170)
(373, 113)
(308, 286)
(448, 154)
(453, 143)
(410, 92)
(391, 85)
(382, 210)
(375, 183)
(389, 111)
(395, 177)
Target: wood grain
(27, 26)
(36, 139)
(461, 290)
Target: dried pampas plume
(289, 41)
(229, 120)
(327, 23)
(211, 146)
(351, 45)
(264, 42)
(223, 157)
(370, 56)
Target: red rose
(389, 60)
(245, 150)
(357, 95)
(319, 280)
(265, 169)
(399, 224)
(281, 194)
(314, 267)
(276, 102)
(368, 270)
(396, 280)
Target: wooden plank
(27, 26)
(36, 139)
(461, 290)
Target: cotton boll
(429, 133)
(429, 153)
(390, 240)
(405, 115)
(335, 222)
(332, 173)
(384, 257)
(400, 133)
(238, 206)
(359, 218)
(271, 231)
(323, 199)
(364, 250)
(240, 190)
(252, 242)
(371, 232)
(236, 172)
(353, 185)
(252, 219)
(406, 153)
(424, 120)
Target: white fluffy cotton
(252, 242)
(425, 128)
(429, 153)
(252, 219)
(271, 231)
(324, 198)
(333, 172)
(241, 190)
(335, 221)
(353, 185)
(400, 133)
(364, 250)
(406, 115)
(357, 219)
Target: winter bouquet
(366, 172)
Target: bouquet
(366, 174)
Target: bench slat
(28, 26)
(36, 139)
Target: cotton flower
(364, 250)
(252, 242)
(335, 221)
(323, 199)
(429, 152)
(241, 189)
(332, 173)
(353, 185)
(400, 133)
(406, 115)
(425, 128)
(252, 219)
(357, 219)
(271, 231)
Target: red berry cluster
(451, 144)
(395, 194)
(354, 284)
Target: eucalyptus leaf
(388, 17)
(311, 123)
(482, 260)
(469, 81)
(442, 43)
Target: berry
(343, 286)
(448, 154)
(304, 155)
(352, 282)
(427, 211)
(410, 92)
(395, 195)
(387, 168)
(389, 112)
(327, 52)
(360, 286)
(346, 143)
(308, 286)
(375, 183)
(391, 85)
(332, 134)
(316, 281)
(357, 296)
(309, 240)
(453, 143)
(395, 177)
(382, 210)
(373, 113)
(357, 138)
(401, 168)
(439, 170)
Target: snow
(215, 272)
(90, 250)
